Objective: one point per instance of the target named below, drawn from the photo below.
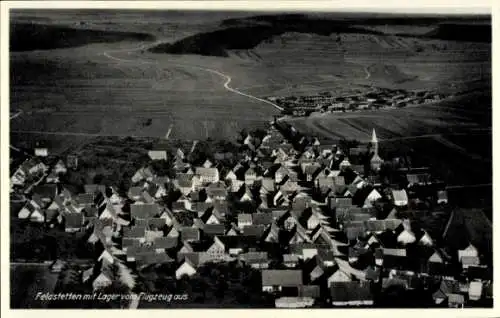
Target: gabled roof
(85, 198)
(237, 241)
(456, 298)
(216, 191)
(192, 259)
(200, 206)
(190, 233)
(290, 258)
(449, 287)
(165, 242)
(46, 191)
(145, 173)
(73, 220)
(92, 188)
(160, 180)
(267, 185)
(400, 195)
(342, 202)
(134, 192)
(134, 232)
(207, 172)
(144, 211)
(435, 257)
(381, 225)
(184, 180)
(178, 206)
(214, 229)
(359, 169)
(399, 252)
(470, 260)
(256, 231)
(284, 278)
(262, 218)
(157, 223)
(312, 169)
(208, 214)
(393, 214)
(417, 178)
(221, 207)
(350, 291)
(130, 241)
(254, 257)
(152, 188)
(245, 218)
(153, 258)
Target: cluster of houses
(309, 220)
(375, 99)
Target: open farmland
(79, 90)
(451, 135)
(461, 114)
(113, 88)
(86, 92)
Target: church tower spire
(374, 142)
(376, 161)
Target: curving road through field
(224, 76)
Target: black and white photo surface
(250, 159)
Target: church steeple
(375, 161)
(374, 142)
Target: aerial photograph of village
(167, 159)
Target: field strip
(67, 133)
(449, 144)
(430, 136)
(460, 186)
(226, 77)
(286, 86)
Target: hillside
(35, 36)
(461, 32)
(216, 43)
(247, 33)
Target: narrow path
(224, 76)
(195, 142)
(169, 131)
(367, 72)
